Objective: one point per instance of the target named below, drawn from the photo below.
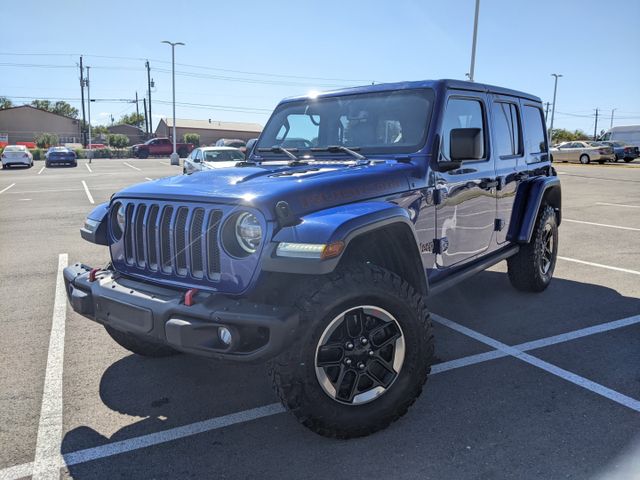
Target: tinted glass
(534, 129)
(461, 113)
(378, 122)
(506, 129)
(222, 155)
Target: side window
(534, 138)
(462, 113)
(506, 126)
(198, 157)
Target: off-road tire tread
(139, 346)
(523, 267)
(282, 369)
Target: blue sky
(247, 55)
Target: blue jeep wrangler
(319, 258)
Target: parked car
(230, 142)
(60, 156)
(629, 134)
(320, 261)
(583, 152)
(16, 155)
(210, 158)
(623, 151)
(161, 147)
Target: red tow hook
(92, 274)
(188, 297)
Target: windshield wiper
(279, 149)
(340, 148)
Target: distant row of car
(586, 152)
(19, 155)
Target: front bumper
(258, 331)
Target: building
(135, 134)
(210, 131)
(25, 123)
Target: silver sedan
(583, 152)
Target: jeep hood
(305, 188)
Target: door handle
(489, 183)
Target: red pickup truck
(161, 147)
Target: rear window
(13, 148)
(534, 137)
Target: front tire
(531, 269)
(584, 159)
(329, 379)
(139, 346)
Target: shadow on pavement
(494, 420)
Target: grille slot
(152, 238)
(165, 240)
(139, 235)
(195, 240)
(174, 240)
(180, 248)
(213, 247)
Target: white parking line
(215, 423)
(86, 189)
(590, 385)
(41, 170)
(49, 437)
(601, 225)
(88, 167)
(164, 163)
(144, 441)
(131, 166)
(617, 205)
(599, 265)
(7, 188)
(147, 178)
(541, 343)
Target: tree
(99, 130)
(46, 140)
(562, 135)
(60, 107)
(5, 103)
(135, 119)
(117, 140)
(191, 138)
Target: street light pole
(175, 159)
(473, 46)
(553, 105)
(89, 111)
(612, 110)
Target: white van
(629, 134)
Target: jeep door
(466, 207)
(508, 151)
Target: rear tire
(584, 159)
(137, 345)
(182, 153)
(531, 269)
(143, 154)
(627, 160)
(346, 398)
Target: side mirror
(197, 160)
(250, 144)
(466, 144)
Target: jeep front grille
(175, 240)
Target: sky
(242, 57)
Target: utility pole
(612, 110)
(546, 112)
(137, 108)
(89, 111)
(595, 128)
(553, 108)
(146, 122)
(149, 87)
(83, 130)
(175, 159)
(473, 46)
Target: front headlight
(248, 232)
(121, 217)
(118, 220)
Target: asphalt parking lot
(525, 386)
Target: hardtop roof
(435, 84)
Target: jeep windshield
(370, 123)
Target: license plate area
(124, 316)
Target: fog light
(224, 335)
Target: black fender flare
(530, 196)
